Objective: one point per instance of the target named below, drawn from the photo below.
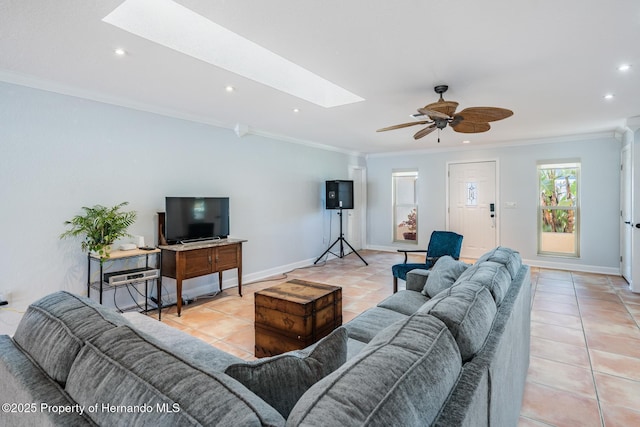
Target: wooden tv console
(191, 260)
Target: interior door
(635, 213)
(356, 224)
(626, 218)
(472, 209)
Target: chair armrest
(406, 251)
(432, 259)
(416, 279)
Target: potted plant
(410, 223)
(100, 226)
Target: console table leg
(179, 295)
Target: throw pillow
(281, 380)
(443, 274)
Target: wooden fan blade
(424, 132)
(403, 125)
(445, 107)
(433, 113)
(470, 127)
(484, 114)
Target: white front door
(472, 210)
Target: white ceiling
(551, 62)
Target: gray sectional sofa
(450, 350)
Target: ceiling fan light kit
(442, 113)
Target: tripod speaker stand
(342, 240)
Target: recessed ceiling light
(176, 27)
(624, 67)
(230, 88)
(609, 96)
(120, 52)
(466, 141)
(296, 110)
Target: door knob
(638, 225)
(628, 222)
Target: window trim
(394, 220)
(563, 164)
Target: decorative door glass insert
(472, 194)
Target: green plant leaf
(100, 226)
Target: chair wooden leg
(395, 284)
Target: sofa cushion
(54, 328)
(443, 274)
(370, 322)
(505, 256)
(468, 310)
(405, 302)
(23, 382)
(494, 276)
(401, 378)
(281, 380)
(121, 369)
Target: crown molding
(513, 143)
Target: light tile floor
(585, 335)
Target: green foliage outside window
(558, 199)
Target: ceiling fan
(442, 113)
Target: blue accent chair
(441, 243)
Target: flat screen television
(192, 219)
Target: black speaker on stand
(339, 195)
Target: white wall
(600, 198)
(58, 153)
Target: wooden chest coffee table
(294, 315)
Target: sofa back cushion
(23, 384)
(121, 369)
(281, 380)
(443, 274)
(402, 377)
(492, 275)
(505, 256)
(54, 328)
(468, 310)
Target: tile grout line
(586, 343)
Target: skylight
(174, 26)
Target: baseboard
(391, 248)
(271, 272)
(554, 265)
(611, 271)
